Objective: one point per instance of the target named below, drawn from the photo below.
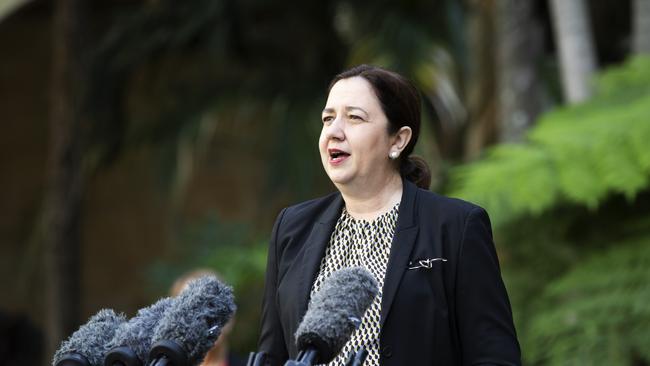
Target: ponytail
(416, 170)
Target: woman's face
(354, 143)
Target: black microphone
(132, 341)
(334, 312)
(192, 324)
(88, 345)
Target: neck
(372, 200)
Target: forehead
(355, 91)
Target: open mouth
(337, 156)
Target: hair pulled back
(400, 102)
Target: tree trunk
(65, 183)
(481, 80)
(574, 40)
(519, 47)
(641, 31)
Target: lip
(339, 159)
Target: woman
(442, 300)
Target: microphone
(88, 345)
(334, 312)
(132, 341)
(192, 324)
(357, 358)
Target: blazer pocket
(425, 263)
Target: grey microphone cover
(335, 311)
(92, 339)
(195, 320)
(138, 332)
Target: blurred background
(144, 138)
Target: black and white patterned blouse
(366, 244)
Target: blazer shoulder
(436, 205)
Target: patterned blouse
(366, 244)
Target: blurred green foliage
(571, 208)
(235, 253)
(597, 313)
(578, 154)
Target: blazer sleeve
(485, 326)
(271, 339)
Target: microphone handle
(168, 353)
(309, 356)
(305, 358)
(256, 359)
(351, 357)
(359, 357)
(300, 354)
(251, 359)
(260, 359)
(163, 361)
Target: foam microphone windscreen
(136, 334)
(335, 311)
(195, 320)
(91, 340)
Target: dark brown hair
(400, 102)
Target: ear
(401, 139)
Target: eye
(356, 117)
(327, 119)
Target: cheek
(374, 145)
(322, 141)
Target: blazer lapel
(315, 251)
(405, 233)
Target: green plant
(597, 313)
(572, 223)
(578, 154)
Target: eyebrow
(350, 108)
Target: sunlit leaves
(580, 154)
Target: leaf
(580, 154)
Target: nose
(334, 131)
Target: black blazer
(454, 313)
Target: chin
(338, 179)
